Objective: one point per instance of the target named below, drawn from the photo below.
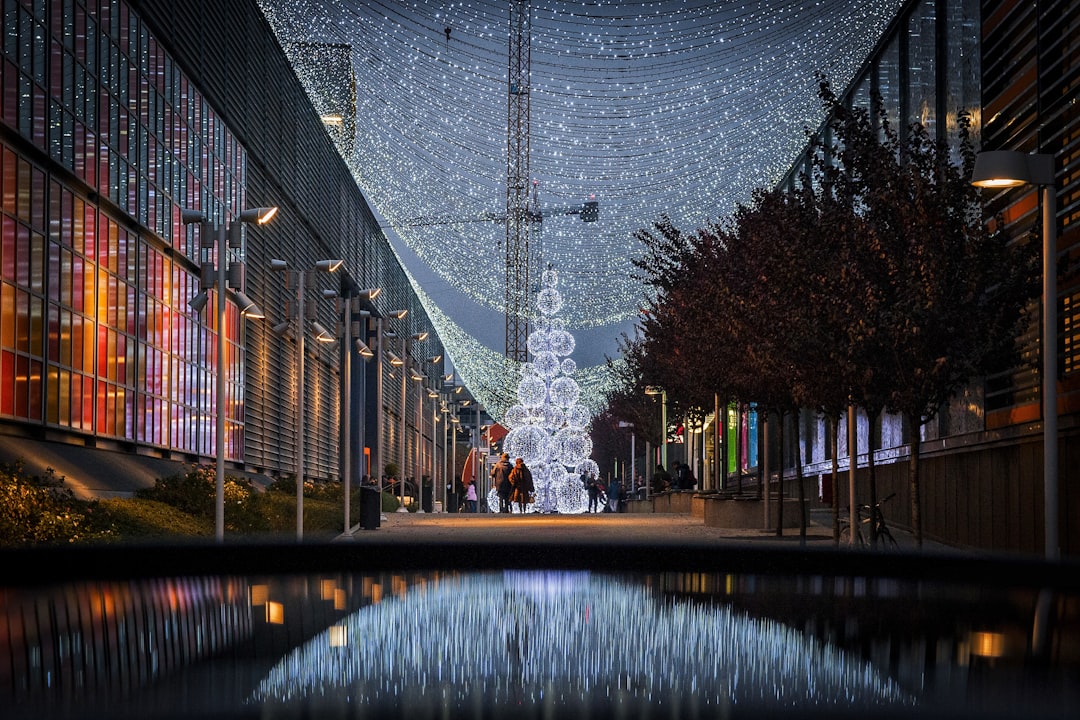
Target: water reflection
(566, 640)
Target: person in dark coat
(500, 480)
(661, 480)
(522, 482)
(594, 493)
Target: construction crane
(587, 211)
(523, 211)
(518, 210)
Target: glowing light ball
(549, 301)
(531, 391)
(564, 391)
(529, 442)
(515, 416)
(562, 342)
(539, 341)
(547, 364)
(554, 417)
(569, 367)
(577, 417)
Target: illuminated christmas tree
(548, 429)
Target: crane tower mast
(518, 212)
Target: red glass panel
(7, 382)
(76, 400)
(10, 181)
(90, 230)
(10, 252)
(54, 331)
(22, 255)
(88, 397)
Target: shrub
(195, 493)
(41, 510)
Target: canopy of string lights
(649, 108)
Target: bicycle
(864, 515)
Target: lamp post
(1005, 169)
(349, 309)
(633, 457)
(418, 441)
(224, 276)
(322, 335)
(384, 355)
(655, 390)
(405, 341)
(434, 395)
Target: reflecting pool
(420, 632)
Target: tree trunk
(799, 479)
(780, 478)
(763, 461)
(872, 433)
(835, 420)
(913, 477)
(739, 438)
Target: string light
(660, 653)
(657, 108)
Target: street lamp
(383, 355)
(303, 314)
(223, 277)
(1005, 169)
(405, 341)
(349, 308)
(434, 395)
(656, 390)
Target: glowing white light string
(519, 639)
(677, 108)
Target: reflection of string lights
(573, 638)
(657, 108)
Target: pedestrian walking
(470, 497)
(522, 482)
(594, 493)
(500, 480)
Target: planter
(746, 513)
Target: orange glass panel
(52, 410)
(7, 316)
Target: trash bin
(370, 507)
(451, 502)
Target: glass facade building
(115, 119)
(1015, 69)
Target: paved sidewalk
(598, 528)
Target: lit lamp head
(321, 333)
(259, 215)
(1008, 168)
(328, 265)
(247, 306)
(363, 349)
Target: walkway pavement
(598, 528)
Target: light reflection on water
(567, 640)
